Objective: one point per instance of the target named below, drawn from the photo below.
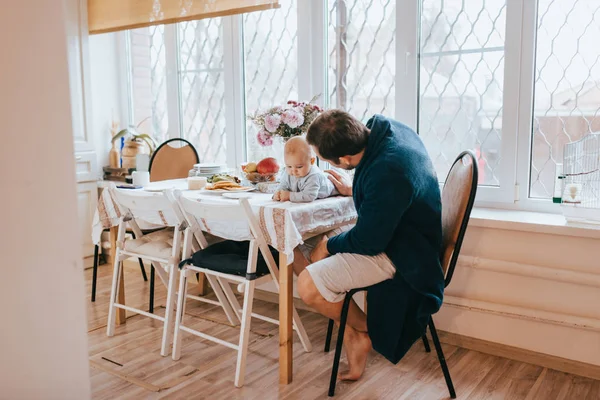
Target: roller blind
(117, 15)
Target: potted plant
(135, 143)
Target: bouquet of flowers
(292, 119)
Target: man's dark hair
(335, 134)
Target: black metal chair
(458, 197)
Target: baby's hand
(276, 195)
(284, 195)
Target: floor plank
(206, 370)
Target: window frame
(409, 20)
(518, 90)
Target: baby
(301, 181)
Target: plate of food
(223, 178)
(227, 187)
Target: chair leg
(240, 369)
(143, 270)
(329, 334)
(168, 329)
(440, 354)
(232, 316)
(426, 343)
(114, 292)
(235, 305)
(299, 327)
(340, 342)
(179, 313)
(95, 273)
(151, 307)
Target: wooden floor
(206, 370)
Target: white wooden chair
(235, 213)
(198, 240)
(161, 248)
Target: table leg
(121, 318)
(285, 320)
(202, 284)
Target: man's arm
(386, 198)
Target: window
(201, 87)
(461, 83)
(177, 84)
(511, 80)
(362, 57)
(270, 67)
(567, 84)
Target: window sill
(535, 222)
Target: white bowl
(267, 187)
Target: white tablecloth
(284, 225)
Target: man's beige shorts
(336, 275)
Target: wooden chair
(251, 273)
(458, 197)
(162, 248)
(170, 162)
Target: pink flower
(272, 122)
(264, 138)
(292, 118)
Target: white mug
(140, 178)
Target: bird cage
(581, 180)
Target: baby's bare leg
(300, 262)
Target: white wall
(43, 342)
(533, 290)
(106, 91)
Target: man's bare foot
(358, 345)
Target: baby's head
(298, 157)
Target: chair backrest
(153, 208)
(197, 214)
(239, 213)
(172, 162)
(458, 197)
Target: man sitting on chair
(394, 246)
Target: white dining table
(284, 225)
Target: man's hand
(320, 251)
(276, 195)
(342, 183)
